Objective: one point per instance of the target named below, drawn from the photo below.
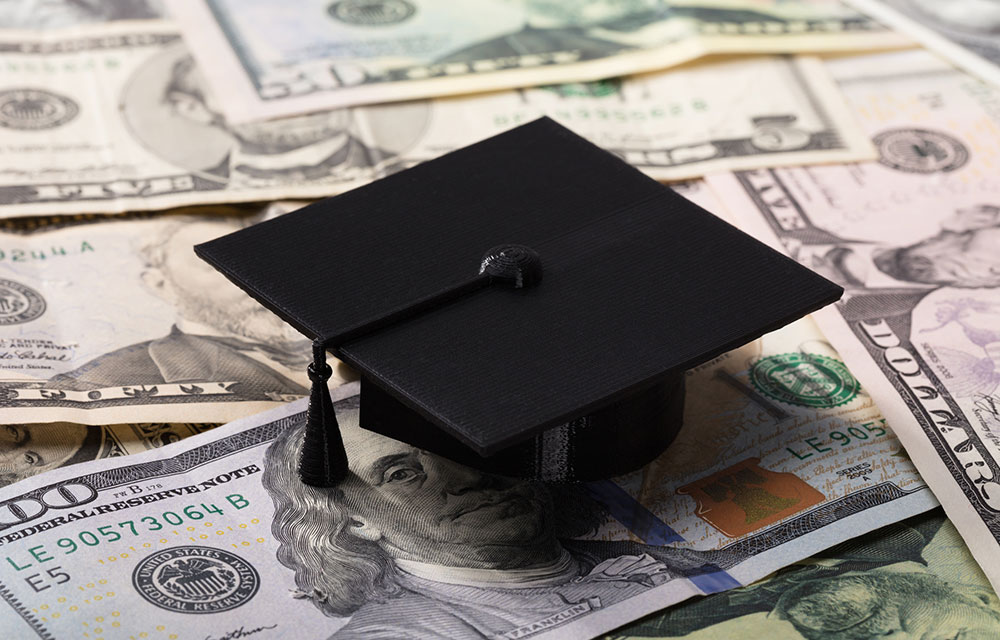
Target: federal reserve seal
(805, 379)
(372, 13)
(920, 150)
(19, 303)
(194, 579)
(30, 109)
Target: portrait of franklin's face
(893, 605)
(419, 506)
(399, 503)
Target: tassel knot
(323, 461)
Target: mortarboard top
(626, 285)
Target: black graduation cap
(527, 304)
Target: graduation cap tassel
(323, 462)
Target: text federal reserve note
(101, 120)
(915, 240)
(882, 584)
(119, 321)
(963, 31)
(29, 449)
(781, 456)
(264, 62)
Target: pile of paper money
(862, 139)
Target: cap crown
(637, 283)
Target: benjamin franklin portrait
(411, 545)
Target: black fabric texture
(637, 283)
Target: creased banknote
(751, 112)
(963, 31)
(913, 579)
(915, 240)
(103, 121)
(118, 322)
(782, 455)
(29, 449)
(265, 62)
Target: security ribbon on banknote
(101, 119)
(782, 455)
(915, 240)
(265, 62)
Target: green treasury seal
(805, 379)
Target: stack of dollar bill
(862, 139)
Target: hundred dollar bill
(119, 118)
(781, 456)
(29, 449)
(119, 322)
(963, 31)
(265, 62)
(915, 240)
(878, 585)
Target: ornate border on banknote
(46, 395)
